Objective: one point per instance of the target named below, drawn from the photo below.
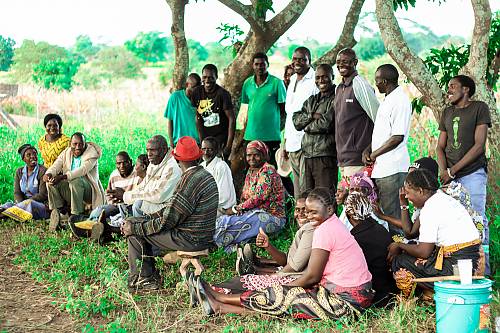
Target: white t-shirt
(393, 118)
(444, 221)
(294, 101)
(224, 180)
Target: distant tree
(6, 52)
(370, 47)
(57, 74)
(85, 48)
(149, 46)
(118, 61)
(30, 54)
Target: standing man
(180, 113)
(355, 111)
(301, 86)
(316, 119)
(388, 152)
(187, 222)
(461, 145)
(215, 113)
(265, 95)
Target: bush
(56, 74)
(6, 52)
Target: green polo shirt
(183, 116)
(263, 110)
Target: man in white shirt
(221, 173)
(388, 152)
(301, 86)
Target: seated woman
(54, 141)
(258, 273)
(336, 283)
(373, 240)
(262, 202)
(30, 191)
(447, 233)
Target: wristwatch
(404, 207)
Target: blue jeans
(475, 183)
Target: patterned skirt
(314, 303)
(25, 210)
(406, 267)
(230, 230)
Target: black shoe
(190, 282)
(77, 232)
(244, 264)
(203, 298)
(248, 254)
(149, 283)
(55, 220)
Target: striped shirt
(191, 210)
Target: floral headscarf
(361, 179)
(358, 206)
(260, 146)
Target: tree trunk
(413, 67)
(181, 66)
(346, 38)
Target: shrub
(6, 52)
(55, 73)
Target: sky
(115, 21)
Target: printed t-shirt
(263, 109)
(76, 162)
(183, 115)
(346, 266)
(460, 126)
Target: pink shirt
(346, 266)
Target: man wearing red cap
(187, 223)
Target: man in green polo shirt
(265, 95)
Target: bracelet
(234, 209)
(449, 173)
(404, 207)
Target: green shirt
(182, 114)
(76, 162)
(263, 109)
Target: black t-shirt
(210, 112)
(460, 125)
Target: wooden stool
(192, 258)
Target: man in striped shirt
(187, 222)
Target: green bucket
(463, 308)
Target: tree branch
(181, 67)
(279, 24)
(346, 38)
(247, 12)
(410, 64)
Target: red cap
(187, 150)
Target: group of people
(357, 242)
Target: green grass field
(89, 281)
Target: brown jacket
(88, 169)
(41, 196)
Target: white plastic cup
(465, 271)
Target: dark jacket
(41, 196)
(319, 137)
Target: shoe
(149, 283)
(190, 282)
(244, 264)
(77, 232)
(55, 220)
(239, 259)
(203, 298)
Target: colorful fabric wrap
(447, 250)
(260, 146)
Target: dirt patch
(26, 306)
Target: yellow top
(51, 150)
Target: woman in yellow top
(54, 142)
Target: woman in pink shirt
(336, 283)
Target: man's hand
(117, 194)
(444, 177)
(284, 153)
(378, 212)
(126, 228)
(393, 251)
(57, 179)
(365, 157)
(262, 239)
(47, 177)
(230, 211)
(403, 201)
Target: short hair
(424, 179)
(304, 194)
(80, 135)
(51, 116)
(389, 72)
(326, 67)
(212, 140)
(323, 194)
(143, 158)
(195, 77)
(210, 67)
(304, 50)
(260, 55)
(348, 51)
(466, 81)
(125, 155)
(160, 140)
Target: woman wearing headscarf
(373, 240)
(54, 141)
(262, 202)
(30, 191)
